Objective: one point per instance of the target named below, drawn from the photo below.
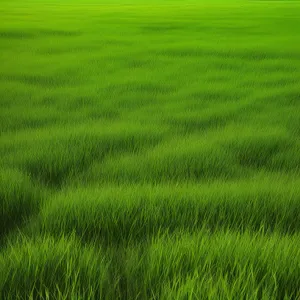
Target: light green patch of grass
(121, 214)
(221, 266)
(53, 269)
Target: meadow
(149, 149)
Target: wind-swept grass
(221, 266)
(53, 269)
(116, 215)
(226, 265)
(149, 149)
(58, 154)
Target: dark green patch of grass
(143, 88)
(53, 161)
(39, 80)
(20, 199)
(31, 34)
(15, 34)
(258, 151)
(246, 55)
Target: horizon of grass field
(149, 149)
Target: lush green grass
(149, 149)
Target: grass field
(149, 149)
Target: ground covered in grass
(149, 149)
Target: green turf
(149, 149)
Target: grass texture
(149, 149)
